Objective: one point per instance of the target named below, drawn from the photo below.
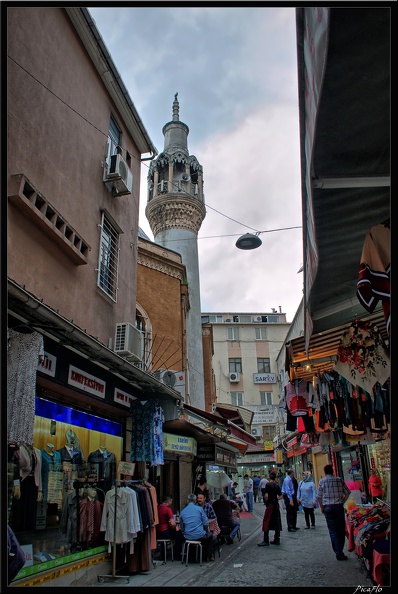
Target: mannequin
(103, 464)
(72, 461)
(51, 474)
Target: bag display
(298, 406)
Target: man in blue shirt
(256, 484)
(194, 525)
(290, 502)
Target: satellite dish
(169, 378)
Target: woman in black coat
(272, 515)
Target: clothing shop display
(90, 518)
(23, 355)
(368, 534)
(362, 358)
(298, 397)
(51, 474)
(374, 270)
(102, 464)
(158, 420)
(70, 516)
(16, 556)
(29, 490)
(142, 434)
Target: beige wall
(58, 119)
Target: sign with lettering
(126, 468)
(264, 378)
(206, 452)
(47, 365)
(264, 413)
(123, 397)
(261, 458)
(179, 443)
(224, 458)
(86, 382)
(28, 550)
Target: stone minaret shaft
(175, 212)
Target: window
(114, 138)
(237, 398)
(266, 397)
(108, 258)
(216, 319)
(232, 333)
(263, 365)
(261, 333)
(269, 432)
(235, 365)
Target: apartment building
(245, 373)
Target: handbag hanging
(298, 404)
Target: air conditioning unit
(228, 320)
(119, 174)
(257, 318)
(185, 177)
(256, 431)
(129, 341)
(173, 379)
(234, 377)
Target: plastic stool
(165, 542)
(185, 550)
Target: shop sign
(126, 468)
(254, 459)
(224, 458)
(86, 382)
(47, 364)
(179, 443)
(264, 414)
(292, 442)
(206, 452)
(268, 445)
(122, 397)
(264, 378)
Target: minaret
(175, 212)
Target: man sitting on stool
(223, 508)
(194, 525)
(167, 527)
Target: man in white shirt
(261, 487)
(248, 488)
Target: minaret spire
(176, 109)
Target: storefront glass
(56, 488)
(379, 458)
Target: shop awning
(345, 128)
(239, 415)
(233, 433)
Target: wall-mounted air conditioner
(129, 341)
(119, 175)
(256, 431)
(257, 319)
(228, 319)
(173, 379)
(234, 376)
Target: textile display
(147, 432)
(374, 270)
(362, 359)
(23, 354)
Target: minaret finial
(176, 108)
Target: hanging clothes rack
(102, 578)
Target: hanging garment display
(142, 433)
(158, 421)
(362, 359)
(298, 397)
(374, 270)
(23, 355)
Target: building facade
(76, 379)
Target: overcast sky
(235, 71)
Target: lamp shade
(248, 241)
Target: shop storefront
(214, 463)
(70, 429)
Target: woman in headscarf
(306, 496)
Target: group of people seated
(196, 519)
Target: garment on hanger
(298, 397)
(103, 465)
(23, 355)
(158, 420)
(142, 434)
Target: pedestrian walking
(306, 496)
(332, 494)
(261, 487)
(290, 500)
(272, 515)
(256, 483)
(248, 489)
